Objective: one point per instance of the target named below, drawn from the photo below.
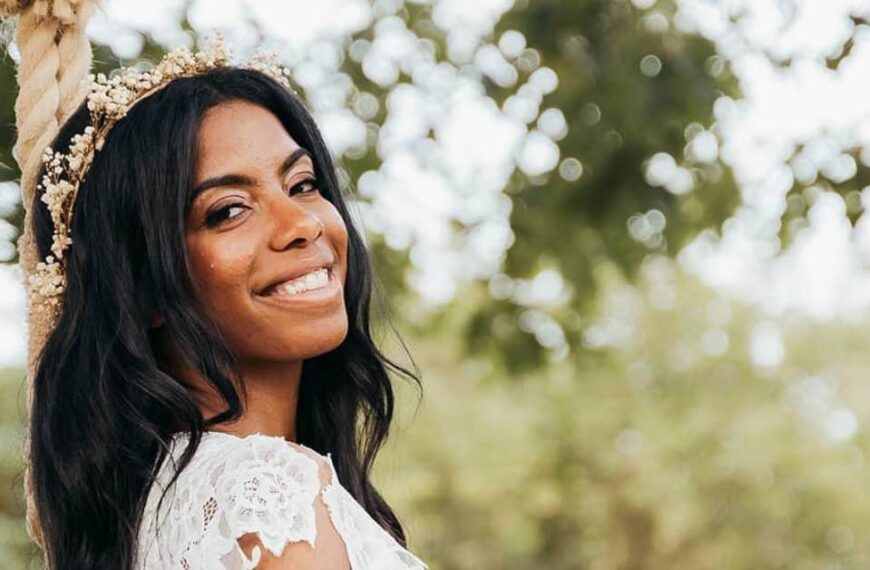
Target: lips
(294, 274)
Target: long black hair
(104, 411)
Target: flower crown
(109, 100)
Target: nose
(292, 224)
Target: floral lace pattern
(369, 545)
(260, 485)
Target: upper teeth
(314, 280)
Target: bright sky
(426, 183)
(824, 274)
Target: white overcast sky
(462, 172)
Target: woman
(212, 345)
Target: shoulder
(235, 487)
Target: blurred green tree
(678, 443)
(619, 115)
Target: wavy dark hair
(104, 410)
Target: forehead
(239, 135)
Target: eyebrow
(238, 179)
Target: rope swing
(55, 59)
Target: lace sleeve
(235, 488)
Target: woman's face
(258, 235)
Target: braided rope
(55, 58)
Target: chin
(307, 342)
(328, 341)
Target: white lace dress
(260, 485)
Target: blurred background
(625, 243)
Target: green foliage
(596, 48)
(618, 117)
(653, 454)
(16, 550)
(8, 167)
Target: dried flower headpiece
(109, 100)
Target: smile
(318, 286)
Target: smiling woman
(268, 254)
(211, 396)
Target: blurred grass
(652, 455)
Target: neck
(272, 395)
(272, 398)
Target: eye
(224, 214)
(309, 183)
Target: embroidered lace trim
(255, 484)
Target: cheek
(219, 265)
(336, 232)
